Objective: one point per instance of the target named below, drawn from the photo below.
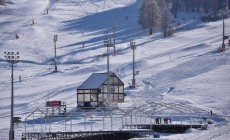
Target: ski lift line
(13, 18)
(12, 31)
(25, 48)
(46, 34)
(20, 27)
(24, 25)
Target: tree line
(156, 14)
(205, 6)
(1, 2)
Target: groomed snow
(183, 68)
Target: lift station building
(93, 92)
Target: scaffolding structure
(104, 119)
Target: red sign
(53, 103)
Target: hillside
(183, 68)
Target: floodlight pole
(55, 53)
(12, 58)
(114, 30)
(133, 46)
(223, 45)
(12, 104)
(108, 43)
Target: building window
(80, 91)
(104, 88)
(86, 91)
(116, 89)
(100, 97)
(87, 97)
(80, 97)
(115, 96)
(121, 89)
(93, 91)
(93, 97)
(121, 96)
(105, 96)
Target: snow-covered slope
(182, 68)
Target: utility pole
(223, 45)
(224, 37)
(12, 58)
(227, 5)
(133, 47)
(55, 53)
(165, 26)
(108, 43)
(114, 24)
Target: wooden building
(93, 92)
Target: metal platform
(167, 128)
(81, 124)
(89, 135)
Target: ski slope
(183, 68)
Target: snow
(94, 81)
(184, 68)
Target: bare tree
(150, 15)
(166, 19)
(1, 2)
(187, 5)
(175, 7)
(206, 6)
(215, 7)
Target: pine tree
(150, 15)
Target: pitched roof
(95, 81)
